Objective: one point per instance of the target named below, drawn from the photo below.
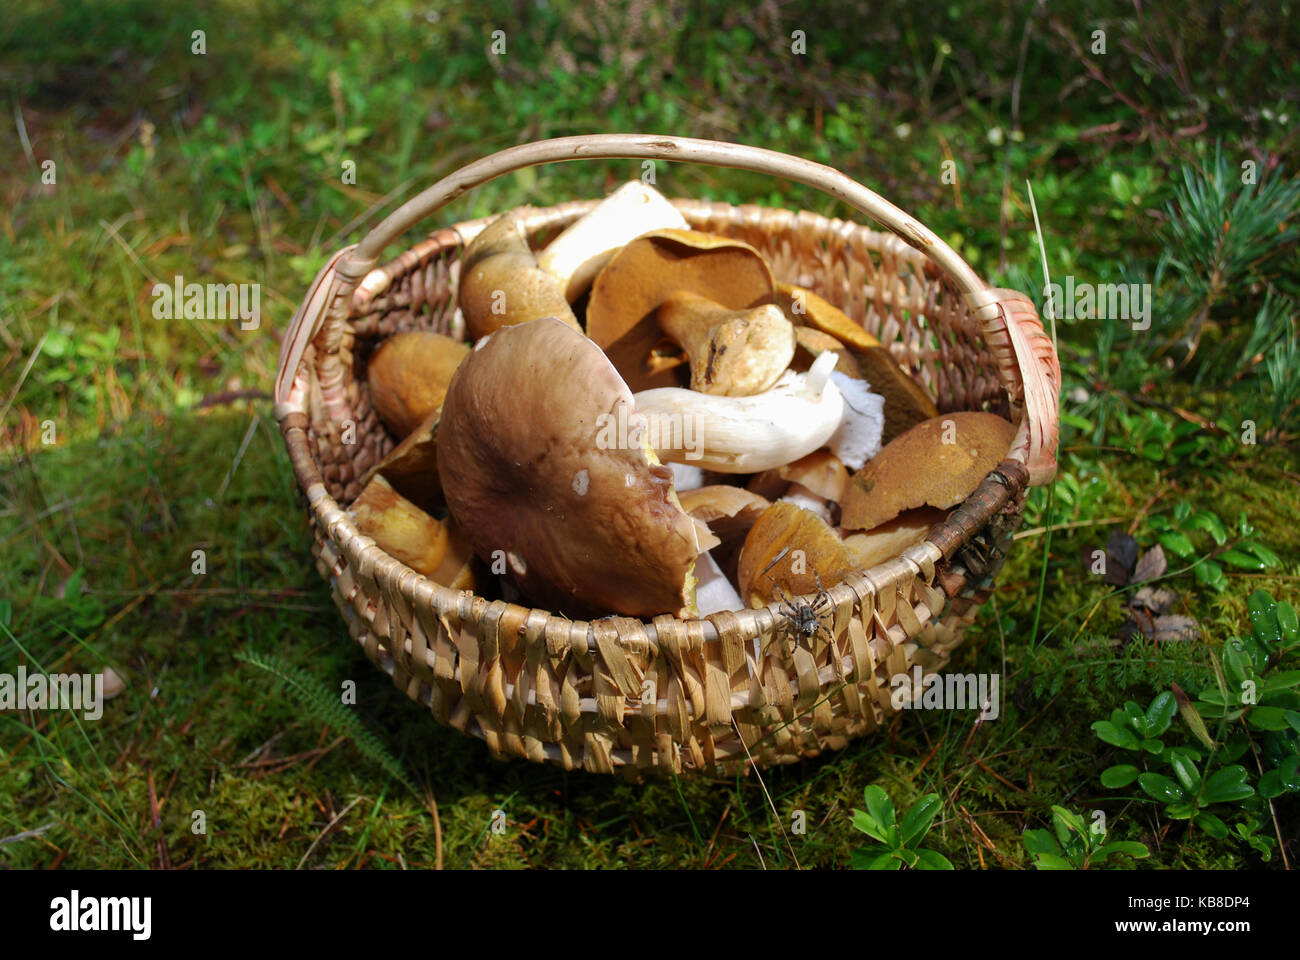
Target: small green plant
(1255, 707)
(900, 843)
(1076, 846)
(1176, 533)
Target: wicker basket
(553, 690)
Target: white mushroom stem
(746, 434)
(713, 591)
(578, 254)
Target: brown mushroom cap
(729, 511)
(815, 552)
(585, 525)
(412, 466)
(805, 308)
(890, 539)
(621, 313)
(501, 283)
(921, 469)
(408, 376)
(401, 529)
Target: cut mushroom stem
(578, 254)
(745, 434)
(733, 353)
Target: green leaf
(1243, 561)
(1129, 848)
(1289, 771)
(1177, 543)
(1267, 718)
(871, 858)
(1288, 624)
(1160, 713)
(1210, 574)
(908, 857)
(1153, 746)
(1212, 825)
(1180, 811)
(1186, 772)
(932, 860)
(919, 817)
(879, 805)
(1227, 785)
(1265, 555)
(1160, 787)
(1270, 785)
(868, 825)
(1204, 520)
(1040, 841)
(1284, 680)
(1263, 618)
(1047, 861)
(1116, 736)
(1120, 775)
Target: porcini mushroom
(408, 375)
(937, 463)
(745, 434)
(501, 283)
(411, 467)
(793, 550)
(802, 413)
(811, 343)
(425, 544)
(906, 403)
(732, 353)
(893, 537)
(544, 466)
(578, 254)
(625, 299)
(729, 512)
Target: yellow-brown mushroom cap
(622, 309)
(408, 375)
(937, 463)
(541, 464)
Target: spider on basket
(803, 619)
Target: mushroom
(811, 343)
(906, 402)
(544, 466)
(501, 283)
(893, 537)
(733, 353)
(937, 463)
(624, 301)
(793, 550)
(821, 473)
(400, 528)
(802, 413)
(578, 254)
(714, 594)
(408, 375)
(745, 434)
(730, 512)
(411, 467)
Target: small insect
(803, 618)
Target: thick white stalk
(745, 434)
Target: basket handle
(1008, 320)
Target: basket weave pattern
(707, 696)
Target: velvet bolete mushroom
(577, 255)
(793, 550)
(408, 375)
(625, 299)
(501, 283)
(732, 353)
(400, 528)
(584, 526)
(937, 463)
